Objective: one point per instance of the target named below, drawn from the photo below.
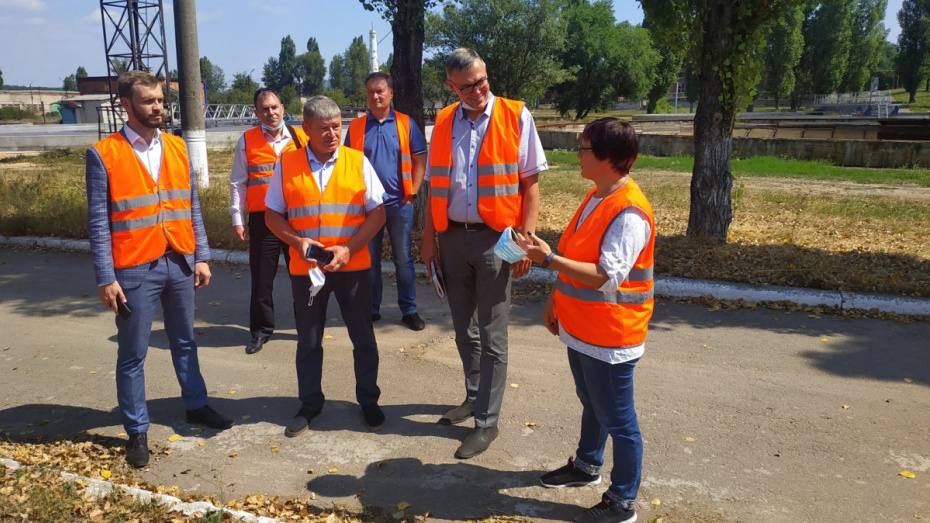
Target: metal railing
(882, 101)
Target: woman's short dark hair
(613, 139)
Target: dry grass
(801, 233)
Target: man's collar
(312, 157)
(132, 136)
(389, 118)
(283, 132)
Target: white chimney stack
(373, 50)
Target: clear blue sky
(43, 41)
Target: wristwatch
(548, 259)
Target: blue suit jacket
(98, 220)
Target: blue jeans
(606, 394)
(168, 280)
(399, 224)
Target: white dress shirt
(239, 177)
(148, 153)
(374, 191)
(467, 136)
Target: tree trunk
(407, 24)
(711, 180)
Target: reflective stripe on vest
(261, 159)
(615, 319)
(357, 142)
(145, 217)
(333, 217)
(500, 201)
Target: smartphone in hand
(315, 252)
(123, 309)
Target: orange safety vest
(357, 142)
(500, 201)
(615, 319)
(334, 216)
(145, 217)
(261, 158)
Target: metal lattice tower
(134, 38)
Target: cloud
(31, 5)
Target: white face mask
(507, 248)
(317, 279)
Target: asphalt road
(748, 415)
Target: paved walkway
(748, 415)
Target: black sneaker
(209, 417)
(300, 423)
(374, 417)
(569, 476)
(137, 450)
(607, 511)
(413, 321)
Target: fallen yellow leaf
(845, 407)
(174, 437)
(514, 385)
(656, 502)
(907, 474)
(400, 349)
(327, 337)
(105, 473)
(824, 340)
(104, 456)
(690, 439)
(275, 449)
(121, 435)
(246, 417)
(333, 470)
(202, 443)
(908, 380)
(530, 424)
(232, 392)
(234, 455)
(402, 505)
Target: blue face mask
(273, 129)
(507, 248)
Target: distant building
(33, 101)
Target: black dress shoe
(256, 344)
(209, 417)
(374, 417)
(375, 317)
(458, 415)
(477, 442)
(137, 450)
(414, 321)
(300, 423)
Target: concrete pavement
(748, 415)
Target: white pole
(373, 50)
(677, 86)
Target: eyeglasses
(470, 88)
(585, 149)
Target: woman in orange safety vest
(600, 308)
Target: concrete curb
(98, 488)
(674, 287)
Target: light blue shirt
(467, 137)
(322, 172)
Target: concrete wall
(851, 153)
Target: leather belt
(169, 250)
(477, 226)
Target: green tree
(241, 89)
(81, 72)
(666, 72)
(1, 78)
(587, 57)
(519, 41)
(868, 34)
(356, 67)
(827, 42)
(783, 52)
(280, 72)
(213, 77)
(386, 66)
(434, 82)
(70, 83)
(885, 68)
(337, 74)
(311, 69)
(692, 86)
(912, 44)
(728, 41)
